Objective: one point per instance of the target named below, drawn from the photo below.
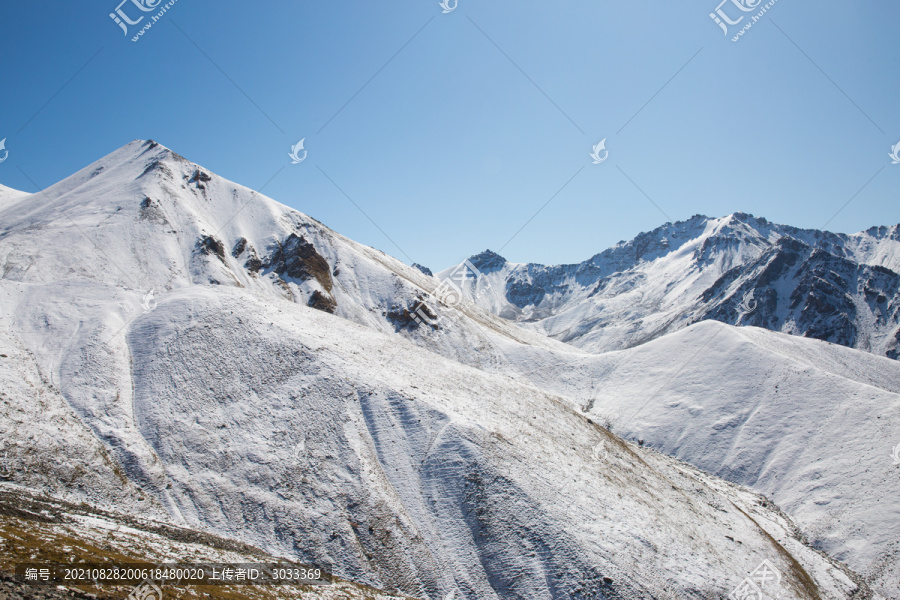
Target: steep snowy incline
(143, 222)
(314, 437)
(87, 256)
(320, 440)
(738, 269)
(10, 195)
(811, 425)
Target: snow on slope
(809, 424)
(233, 402)
(155, 221)
(42, 440)
(10, 195)
(843, 289)
(334, 443)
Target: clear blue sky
(453, 143)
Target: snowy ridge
(10, 195)
(840, 288)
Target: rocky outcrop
(323, 302)
(243, 249)
(811, 292)
(199, 178)
(423, 269)
(412, 316)
(488, 261)
(296, 258)
(525, 293)
(211, 245)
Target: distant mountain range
(738, 269)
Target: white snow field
(168, 352)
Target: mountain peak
(885, 232)
(488, 261)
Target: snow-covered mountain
(738, 269)
(177, 346)
(811, 425)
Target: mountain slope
(839, 288)
(229, 364)
(809, 424)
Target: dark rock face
(239, 247)
(895, 352)
(412, 316)
(322, 302)
(524, 293)
(296, 258)
(211, 245)
(199, 177)
(532, 287)
(827, 311)
(488, 261)
(811, 291)
(253, 263)
(425, 270)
